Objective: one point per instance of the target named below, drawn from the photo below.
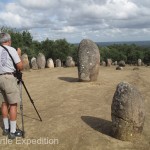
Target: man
(9, 90)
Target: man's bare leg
(4, 109)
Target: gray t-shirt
(6, 64)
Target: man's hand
(19, 52)
(19, 65)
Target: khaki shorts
(9, 89)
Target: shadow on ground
(69, 79)
(98, 124)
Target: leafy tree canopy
(60, 49)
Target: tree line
(129, 53)
(60, 49)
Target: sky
(74, 20)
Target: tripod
(21, 82)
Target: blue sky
(74, 20)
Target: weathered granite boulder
(41, 61)
(88, 60)
(139, 62)
(115, 63)
(127, 112)
(70, 62)
(34, 63)
(58, 63)
(122, 63)
(109, 62)
(119, 68)
(103, 63)
(25, 62)
(50, 63)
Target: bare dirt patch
(78, 114)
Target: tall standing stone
(25, 62)
(34, 63)
(88, 60)
(139, 62)
(109, 62)
(50, 63)
(41, 61)
(127, 111)
(58, 63)
(115, 63)
(70, 62)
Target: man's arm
(19, 65)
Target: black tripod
(21, 82)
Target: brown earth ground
(77, 115)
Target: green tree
(104, 53)
(27, 39)
(60, 48)
(146, 58)
(47, 48)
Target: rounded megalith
(115, 63)
(50, 63)
(119, 68)
(41, 61)
(139, 62)
(88, 60)
(109, 62)
(103, 63)
(127, 112)
(70, 62)
(25, 62)
(122, 63)
(34, 63)
(58, 63)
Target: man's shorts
(9, 89)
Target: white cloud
(13, 20)
(68, 29)
(37, 4)
(113, 9)
(74, 20)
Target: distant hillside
(139, 43)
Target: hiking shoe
(5, 132)
(18, 133)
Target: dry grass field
(77, 115)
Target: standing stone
(58, 63)
(109, 62)
(70, 62)
(41, 61)
(139, 62)
(25, 62)
(103, 63)
(122, 63)
(88, 60)
(50, 63)
(127, 112)
(34, 63)
(115, 63)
